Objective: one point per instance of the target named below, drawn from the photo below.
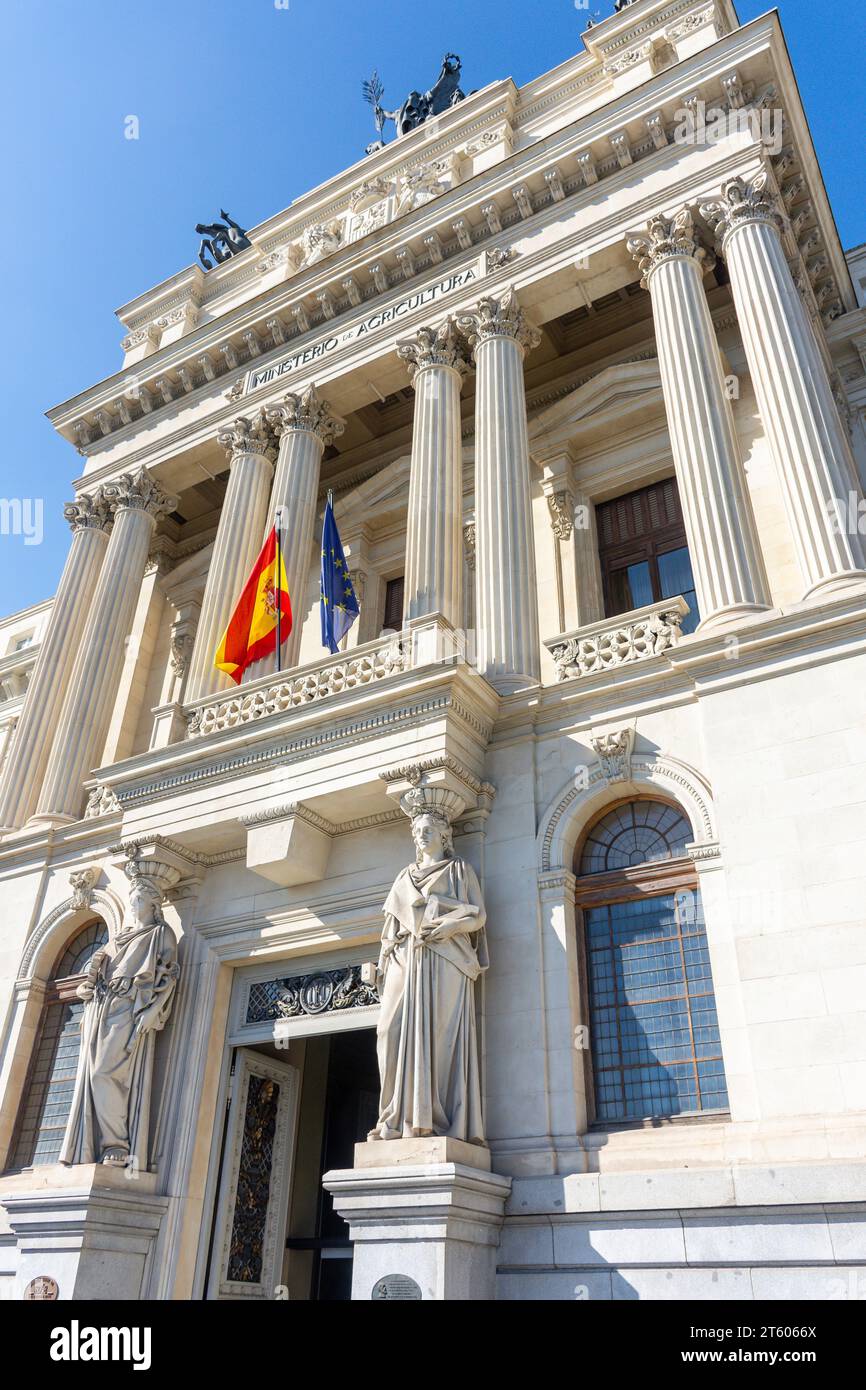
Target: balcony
(306, 752)
(273, 695)
(636, 636)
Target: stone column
(434, 542)
(137, 502)
(808, 441)
(727, 565)
(507, 604)
(90, 519)
(305, 425)
(251, 451)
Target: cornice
(585, 132)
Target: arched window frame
(652, 879)
(59, 989)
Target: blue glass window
(654, 1033)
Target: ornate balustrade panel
(362, 666)
(635, 636)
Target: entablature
(487, 215)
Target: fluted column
(137, 502)
(250, 447)
(434, 531)
(90, 519)
(305, 425)
(808, 441)
(507, 605)
(728, 570)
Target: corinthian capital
(499, 318)
(244, 436)
(667, 238)
(88, 512)
(434, 347)
(140, 492)
(742, 202)
(307, 412)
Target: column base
(426, 1210)
(732, 617)
(90, 1227)
(510, 683)
(50, 821)
(837, 586)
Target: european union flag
(338, 602)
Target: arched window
(48, 1094)
(654, 1035)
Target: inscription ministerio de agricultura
(380, 319)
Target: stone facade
(563, 296)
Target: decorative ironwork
(246, 1252)
(325, 991)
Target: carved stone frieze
(101, 802)
(82, 882)
(614, 751)
(299, 996)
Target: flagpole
(279, 589)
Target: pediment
(380, 498)
(610, 402)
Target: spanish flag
(252, 630)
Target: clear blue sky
(245, 105)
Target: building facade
(584, 366)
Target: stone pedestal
(429, 1210)
(90, 1227)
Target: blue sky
(246, 104)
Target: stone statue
(434, 947)
(418, 106)
(127, 1000)
(221, 240)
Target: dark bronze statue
(221, 240)
(418, 106)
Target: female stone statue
(434, 948)
(128, 997)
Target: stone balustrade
(276, 694)
(613, 642)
